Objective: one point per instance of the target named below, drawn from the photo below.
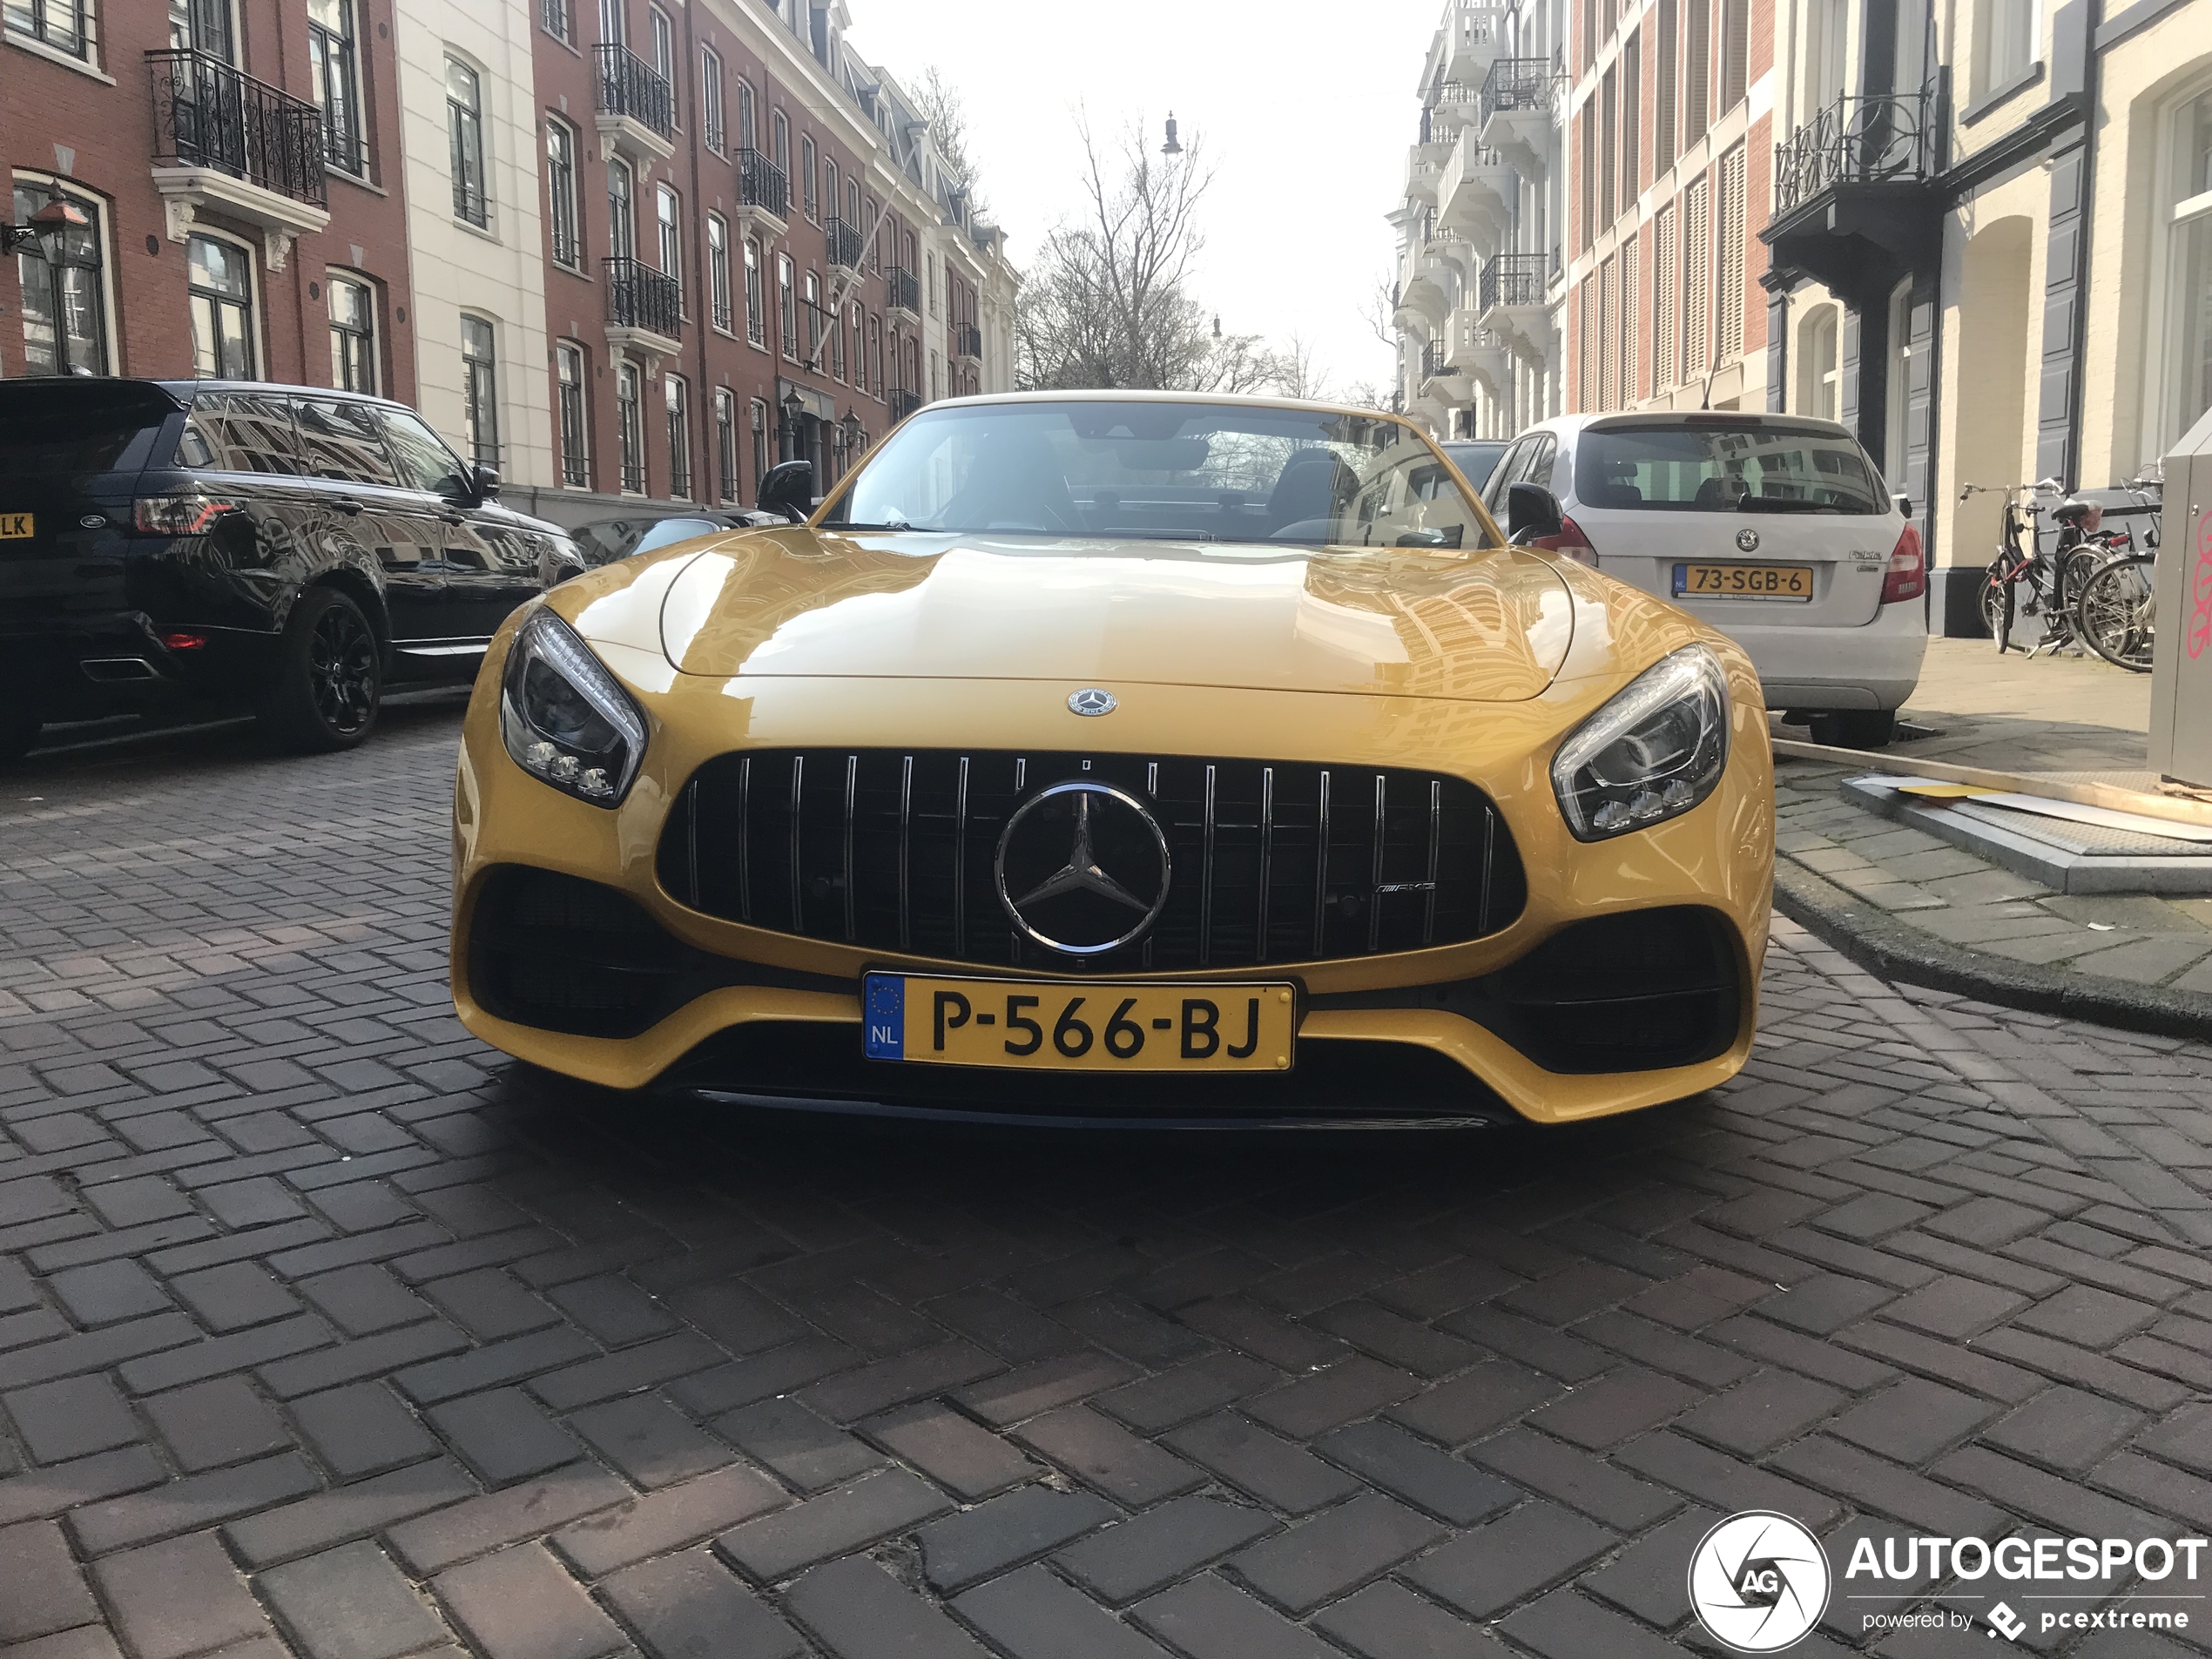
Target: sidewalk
(1916, 906)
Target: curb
(1897, 951)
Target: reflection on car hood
(1486, 627)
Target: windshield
(1166, 471)
(1719, 466)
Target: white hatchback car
(1776, 528)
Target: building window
(1735, 52)
(837, 348)
(65, 291)
(756, 320)
(557, 20)
(710, 99)
(353, 335)
(829, 186)
(725, 445)
(465, 141)
(671, 236)
(576, 443)
(614, 26)
(875, 243)
(936, 377)
(1696, 71)
(337, 81)
(859, 362)
(679, 441)
(807, 183)
(1662, 300)
(875, 356)
(1586, 137)
(1631, 127)
(1696, 264)
(1608, 159)
(1663, 80)
(560, 189)
(1819, 381)
(748, 134)
(629, 426)
(63, 24)
(718, 269)
(933, 283)
(194, 25)
(813, 308)
(622, 222)
(1628, 314)
(759, 415)
(2191, 274)
(786, 307)
(479, 392)
(2008, 41)
(664, 41)
(780, 142)
(1608, 341)
(1729, 295)
(219, 292)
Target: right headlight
(564, 718)
(1651, 753)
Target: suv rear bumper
(117, 665)
(1874, 667)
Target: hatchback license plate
(1791, 582)
(1051, 1025)
(15, 526)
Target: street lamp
(850, 426)
(1173, 146)
(58, 214)
(792, 406)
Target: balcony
(644, 310)
(1440, 378)
(1475, 350)
(1509, 300)
(903, 403)
(763, 194)
(1452, 105)
(1478, 36)
(1518, 96)
(226, 141)
(1477, 193)
(843, 242)
(1853, 202)
(968, 345)
(902, 293)
(635, 110)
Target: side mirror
(1532, 513)
(484, 480)
(788, 489)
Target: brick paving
(324, 1331)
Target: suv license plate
(1051, 1025)
(1792, 581)
(15, 526)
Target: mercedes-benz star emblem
(1091, 699)
(1083, 869)
(1747, 540)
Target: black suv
(287, 549)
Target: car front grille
(1272, 862)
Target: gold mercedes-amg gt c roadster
(1106, 757)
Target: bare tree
(1297, 374)
(1379, 309)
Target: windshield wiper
(847, 524)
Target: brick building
(239, 166)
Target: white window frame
(719, 297)
(260, 318)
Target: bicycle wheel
(1997, 605)
(2113, 614)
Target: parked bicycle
(2113, 608)
(2024, 581)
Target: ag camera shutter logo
(1758, 1582)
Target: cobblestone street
(325, 1329)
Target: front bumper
(1359, 1013)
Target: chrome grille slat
(1269, 867)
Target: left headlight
(564, 718)
(1651, 753)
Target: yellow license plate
(1743, 582)
(15, 526)
(1053, 1025)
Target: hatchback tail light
(1570, 542)
(1908, 572)
(178, 515)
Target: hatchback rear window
(1725, 468)
(43, 436)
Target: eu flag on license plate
(884, 1008)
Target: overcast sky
(1306, 110)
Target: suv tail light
(178, 515)
(1908, 572)
(1570, 542)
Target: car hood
(1491, 626)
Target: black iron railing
(1856, 141)
(902, 290)
(1514, 280)
(640, 297)
(903, 403)
(968, 341)
(761, 184)
(844, 243)
(630, 86)
(208, 114)
(1518, 83)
